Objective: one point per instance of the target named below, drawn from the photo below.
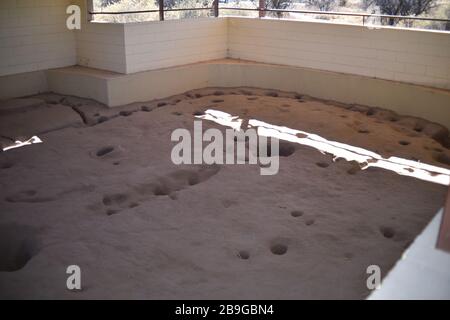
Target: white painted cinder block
(155, 45)
(419, 57)
(34, 36)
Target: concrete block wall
(33, 36)
(116, 89)
(134, 47)
(102, 46)
(419, 57)
(411, 56)
(156, 45)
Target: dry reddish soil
(101, 192)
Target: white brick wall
(102, 46)
(33, 36)
(420, 57)
(156, 45)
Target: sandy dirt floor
(101, 192)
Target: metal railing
(161, 10)
(215, 8)
(364, 16)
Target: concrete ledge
(408, 99)
(156, 84)
(23, 84)
(115, 89)
(81, 82)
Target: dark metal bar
(123, 12)
(90, 8)
(161, 10)
(216, 8)
(150, 11)
(262, 12)
(335, 13)
(261, 7)
(189, 9)
(443, 242)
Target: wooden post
(90, 8)
(216, 8)
(443, 242)
(161, 10)
(262, 5)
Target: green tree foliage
(401, 7)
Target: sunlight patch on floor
(338, 150)
(18, 143)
